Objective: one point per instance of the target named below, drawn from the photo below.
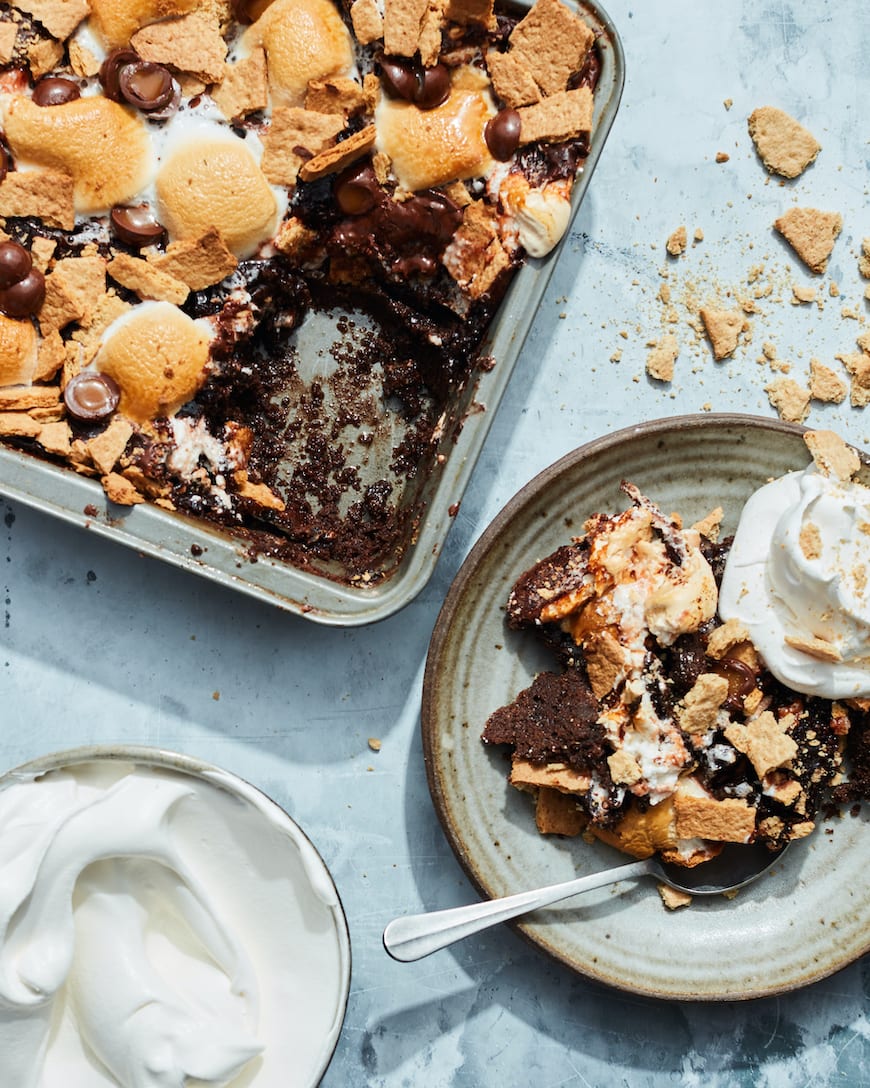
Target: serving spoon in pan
(416, 935)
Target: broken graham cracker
(59, 17)
(403, 21)
(723, 328)
(700, 706)
(476, 257)
(833, 457)
(295, 136)
(39, 194)
(551, 42)
(783, 145)
(677, 242)
(825, 384)
(789, 398)
(120, 490)
(765, 741)
(660, 361)
(367, 21)
(146, 281)
(558, 814)
(811, 234)
(338, 95)
(337, 157)
(511, 80)
(729, 820)
(190, 43)
(106, 448)
(560, 116)
(8, 34)
(244, 88)
(197, 262)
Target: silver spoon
(417, 935)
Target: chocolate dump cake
(243, 243)
(706, 693)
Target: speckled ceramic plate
(804, 920)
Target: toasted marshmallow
(101, 145)
(538, 216)
(433, 147)
(304, 40)
(214, 181)
(116, 21)
(17, 351)
(159, 358)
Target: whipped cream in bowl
(163, 924)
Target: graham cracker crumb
(146, 281)
(337, 157)
(858, 366)
(701, 704)
(261, 494)
(810, 541)
(41, 251)
(374, 744)
(476, 256)
(244, 88)
(197, 262)
(295, 239)
(815, 647)
(8, 34)
(790, 399)
(783, 145)
(190, 43)
(723, 328)
(106, 448)
(673, 898)
(765, 741)
(832, 456)
(677, 242)
(43, 56)
(802, 294)
(811, 234)
(465, 12)
(624, 768)
(82, 61)
(552, 42)
(560, 116)
(368, 24)
(660, 361)
(119, 490)
(710, 526)
(295, 136)
(722, 156)
(39, 194)
(724, 638)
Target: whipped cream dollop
(797, 579)
(159, 929)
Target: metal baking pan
(214, 553)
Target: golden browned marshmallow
(158, 356)
(304, 40)
(17, 351)
(115, 21)
(211, 182)
(433, 147)
(643, 832)
(101, 145)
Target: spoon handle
(417, 935)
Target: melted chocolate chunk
(136, 227)
(91, 396)
(55, 91)
(15, 263)
(146, 85)
(502, 134)
(24, 297)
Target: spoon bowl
(417, 935)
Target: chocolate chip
(91, 395)
(110, 71)
(55, 91)
(24, 297)
(15, 263)
(145, 85)
(136, 226)
(502, 134)
(400, 78)
(433, 87)
(357, 189)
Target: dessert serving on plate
(185, 184)
(708, 691)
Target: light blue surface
(101, 645)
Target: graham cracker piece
(148, 282)
(783, 145)
(338, 95)
(677, 242)
(403, 20)
(106, 448)
(197, 262)
(818, 648)
(40, 194)
(120, 490)
(789, 398)
(429, 41)
(825, 384)
(295, 136)
(295, 240)
(59, 17)
(18, 425)
(50, 357)
(723, 639)
(552, 42)
(811, 234)
(730, 820)
(605, 662)
(810, 541)
(560, 116)
(466, 12)
(723, 328)
(864, 259)
(85, 343)
(858, 366)
(511, 80)
(55, 438)
(624, 768)
(476, 256)
(700, 708)
(372, 91)
(833, 457)
(18, 351)
(259, 493)
(382, 165)
(557, 814)
(25, 399)
(245, 86)
(82, 61)
(526, 775)
(43, 56)
(765, 741)
(368, 23)
(660, 361)
(673, 898)
(458, 193)
(72, 292)
(709, 526)
(8, 34)
(41, 251)
(333, 159)
(191, 43)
